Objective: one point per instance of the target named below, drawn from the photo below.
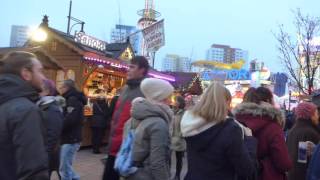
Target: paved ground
(89, 166)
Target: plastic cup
(302, 152)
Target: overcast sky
(191, 27)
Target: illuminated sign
(225, 75)
(90, 41)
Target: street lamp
(39, 35)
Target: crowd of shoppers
(41, 130)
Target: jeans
(67, 155)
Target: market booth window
(100, 84)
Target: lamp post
(290, 100)
(73, 19)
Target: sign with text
(90, 41)
(154, 36)
(223, 75)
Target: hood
(74, 93)
(50, 99)
(12, 86)
(200, 132)
(192, 125)
(144, 109)
(256, 116)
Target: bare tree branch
(300, 57)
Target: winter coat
(101, 114)
(264, 120)
(52, 108)
(22, 146)
(121, 114)
(113, 104)
(73, 117)
(178, 143)
(303, 131)
(53, 117)
(217, 151)
(151, 148)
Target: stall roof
(183, 79)
(49, 61)
(116, 49)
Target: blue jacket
(217, 151)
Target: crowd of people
(40, 130)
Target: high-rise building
(19, 35)
(184, 64)
(176, 63)
(121, 32)
(226, 54)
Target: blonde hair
(213, 103)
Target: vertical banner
(154, 36)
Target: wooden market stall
(98, 68)
(84, 59)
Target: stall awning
(88, 56)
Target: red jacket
(264, 120)
(121, 115)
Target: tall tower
(148, 17)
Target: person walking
(138, 70)
(178, 143)
(99, 123)
(151, 146)
(266, 122)
(22, 148)
(217, 147)
(52, 107)
(304, 131)
(72, 127)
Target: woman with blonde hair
(215, 145)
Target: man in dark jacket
(99, 121)
(138, 70)
(72, 127)
(22, 148)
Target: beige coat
(178, 143)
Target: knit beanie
(156, 89)
(305, 110)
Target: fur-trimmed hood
(264, 112)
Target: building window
(53, 46)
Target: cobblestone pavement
(89, 166)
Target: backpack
(313, 172)
(258, 166)
(123, 163)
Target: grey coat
(151, 149)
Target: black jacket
(101, 114)
(217, 152)
(73, 117)
(22, 148)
